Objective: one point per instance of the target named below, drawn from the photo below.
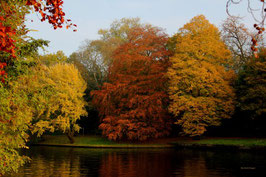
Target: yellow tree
(56, 97)
(199, 81)
(15, 117)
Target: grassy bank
(230, 141)
(223, 143)
(100, 142)
(97, 141)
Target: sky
(92, 15)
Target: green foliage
(29, 48)
(116, 35)
(90, 64)
(251, 87)
(94, 57)
(52, 59)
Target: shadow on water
(74, 162)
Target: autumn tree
(133, 105)
(55, 96)
(12, 23)
(113, 37)
(96, 55)
(15, 114)
(15, 46)
(199, 86)
(15, 117)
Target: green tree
(251, 87)
(199, 85)
(52, 59)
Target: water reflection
(75, 162)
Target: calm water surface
(74, 162)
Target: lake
(74, 162)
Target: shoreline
(232, 143)
(133, 146)
(218, 147)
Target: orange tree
(199, 85)
(133, 105)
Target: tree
(55, 96)
(237, 38)
(258, 13)
(15, 117)
(94, 58)
(133, 105)
(199, 86)
(97, 55)
(12, 26)
(52, 59)
(113, 37)
(251, 89)
(14, 46)
(90, 63)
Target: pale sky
(92, 15)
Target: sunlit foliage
(52, 59)
(12, 23)
(199, 81)
(15, 117)
(56, 98)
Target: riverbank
(100, 142)
(207, 143)
(223, 143)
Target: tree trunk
(70, 136)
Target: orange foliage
(6, 41)
(133, 104)
(199, 84)
(12, 18)
(52, 11)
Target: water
(75, 162)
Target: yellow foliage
(56, 97)
(15, 117)
(199, 85)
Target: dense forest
(134, 83)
